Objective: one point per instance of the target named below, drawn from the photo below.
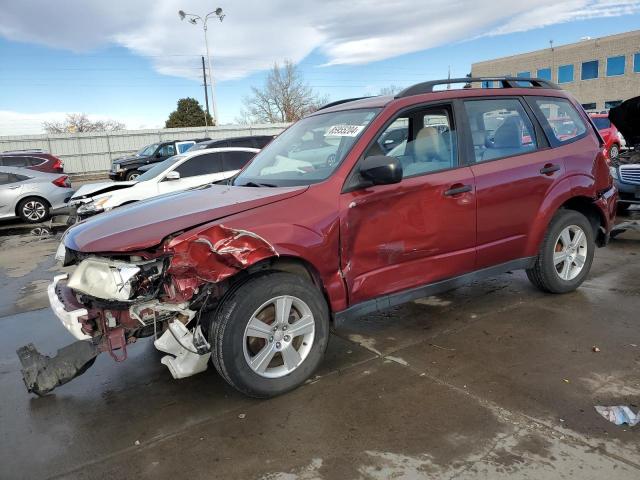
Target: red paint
(609, 134)
(371, 241)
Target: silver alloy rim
(279, 336)
(570, 252)
(133, 176)
(34, 210)
(614, 152)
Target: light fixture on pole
(194, 19)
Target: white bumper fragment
(68, 318)
(180, 361)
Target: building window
(615, 66)
(487, 84)
(612, 103)
(636, 63)
(589, 70)
(589, 106)
(524, 74)
(544, 73)
(565, 73)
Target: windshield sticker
(344, 131)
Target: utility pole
(206, 94)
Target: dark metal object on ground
(42, 373)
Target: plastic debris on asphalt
(618, 415)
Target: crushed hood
(626, 118)
(93, 189)
(145, 224)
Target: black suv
(253, 141)
(126, 168)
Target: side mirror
(172, 175)
(381, 170)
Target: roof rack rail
(340, 102)
(26, 150)
(506, 82)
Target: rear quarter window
(561, 121)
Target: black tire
(33, 210)
(132, 175)
(544, 273)
(227, 332)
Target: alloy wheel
(34, 210)
(279, 336)
(570, 252)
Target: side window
(35, 161)
(205, 164)
(168, 150)
(424, 141)
(564, 123)
(236, 160)
(499, 128)
(8, 178)
(15, 161)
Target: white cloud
(18, 123)
(256, 33)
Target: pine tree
(188, 114)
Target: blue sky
(43, 78)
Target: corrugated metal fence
(93, 152)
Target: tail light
(57, 165)
(62, 182)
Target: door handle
(456, 190)
(15, 187)
(549, 168)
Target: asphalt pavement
(493, 380)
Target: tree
(80, 122)
(189, 113)
(285, 97)
(390, 90)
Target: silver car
(32, 195)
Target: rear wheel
(33, 210)
(614, 151)
(270, 334)
(566, 254)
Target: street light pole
(194, 19)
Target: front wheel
(614, 151)
(270, 334)
(566, 253)
(33, 210)
(132, 175)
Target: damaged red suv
(328, 223)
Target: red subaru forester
(326, 223)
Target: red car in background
(34, 159)
(609, 133)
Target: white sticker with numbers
(344, 131)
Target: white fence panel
(93, 152)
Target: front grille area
(630, 174)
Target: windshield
(308, 152)
(158, 168)
(601, 122)
(147, 151)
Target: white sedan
(180, 172)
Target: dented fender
(216, 253)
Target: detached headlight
(113, 280)
(614, 172)
(116, 167)
(95, 206)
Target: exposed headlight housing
(94, 206)
(112, 279)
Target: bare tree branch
(80, 122)
(285, 97)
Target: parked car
(180, 172)
(126, 168)
(31, 195)
(609, 133)
(250, 275)
(254, 141)
(33, 159)
(625, 168)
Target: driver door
(195, 171)
(421, 230)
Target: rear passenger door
(513, 169)
(234, 161)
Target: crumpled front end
(109, 302)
